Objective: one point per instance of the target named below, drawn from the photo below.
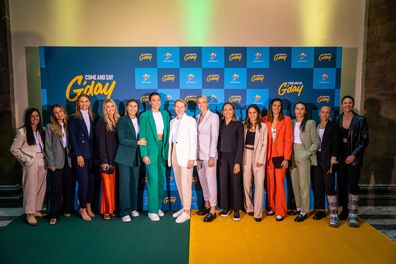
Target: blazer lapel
(326, 132)
(279, 127)
(152, 124)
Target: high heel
(89, 210)
(84, 215)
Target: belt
(251, 148)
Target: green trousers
(128, 188)
(155, 183)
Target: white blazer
(186, 141)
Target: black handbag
(277, 161)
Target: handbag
(277, 161)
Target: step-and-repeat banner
(241, 75)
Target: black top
(250, 138)
(107, 142)
(231, 139)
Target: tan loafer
(31, 220)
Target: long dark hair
(28, 126)
(234, 117)
(270, 115)
(305, 119)
(248, 124)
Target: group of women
(232, 158)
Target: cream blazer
(260, 146)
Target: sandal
(52, 221)
(106, 217)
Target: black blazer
(329, 145)
(231, 139)
(107, 143)
(358, 137)
(81, 142)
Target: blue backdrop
(242, 75)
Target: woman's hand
(146, 160)
(142, 142)
(258, 164)
(52, 169)
(237, 168)
(190, 164)
(333, 160)
(211, 162)
(105, 166)
(350, 159)
(80, 161)
(285, 164)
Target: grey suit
(208, 134)
(304, 155)
(54, 150)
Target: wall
(182, 23)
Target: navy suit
(82, 145)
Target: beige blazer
(260, 146)
(23, 152)
(310, 140)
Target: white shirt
(159, 122)
(87, 119)
(297, 131)
(136, 125)
(37, 139)
(64, 138)
(321, 133)
(273, 132)
(175, 128)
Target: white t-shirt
(136, 125)
(297, 131)
(64, 138)
(159, 122)
(321, 133)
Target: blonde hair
(111, 121)
(78, 110)
(203, 97)
(181, 101)
(55, 126)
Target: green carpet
(75, 241)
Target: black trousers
(348, 182)
(323, 183)
(230, 184)
(60, 191)
(86, 182)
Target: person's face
(252, 114)
(347, 105)
(180, 108)
(276, 107)
(59, 114)
(155, 102)
(325, 113)
(84, 103)
(110, 109)
(35, 118)
(299, 111)
(132, 108)
(228, 111)
(202, 104)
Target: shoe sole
(223, 215)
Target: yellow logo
(91, 89)
(190, 56)
(144, 99)
(168, 78)
(145, 57)
(290, 87)
(235, 56)
(325, 56)
(257, 78)
(190, 98)
(169, 200)
(213, 78)
(323, 99)
(235, 99)
(280, 56)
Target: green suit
(157, 151)
(128, 160)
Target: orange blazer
(284, 138)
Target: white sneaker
(153, 217)
(183, 218)
(126, 219)
(176, 214)
(160, 213)
(135, 213)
